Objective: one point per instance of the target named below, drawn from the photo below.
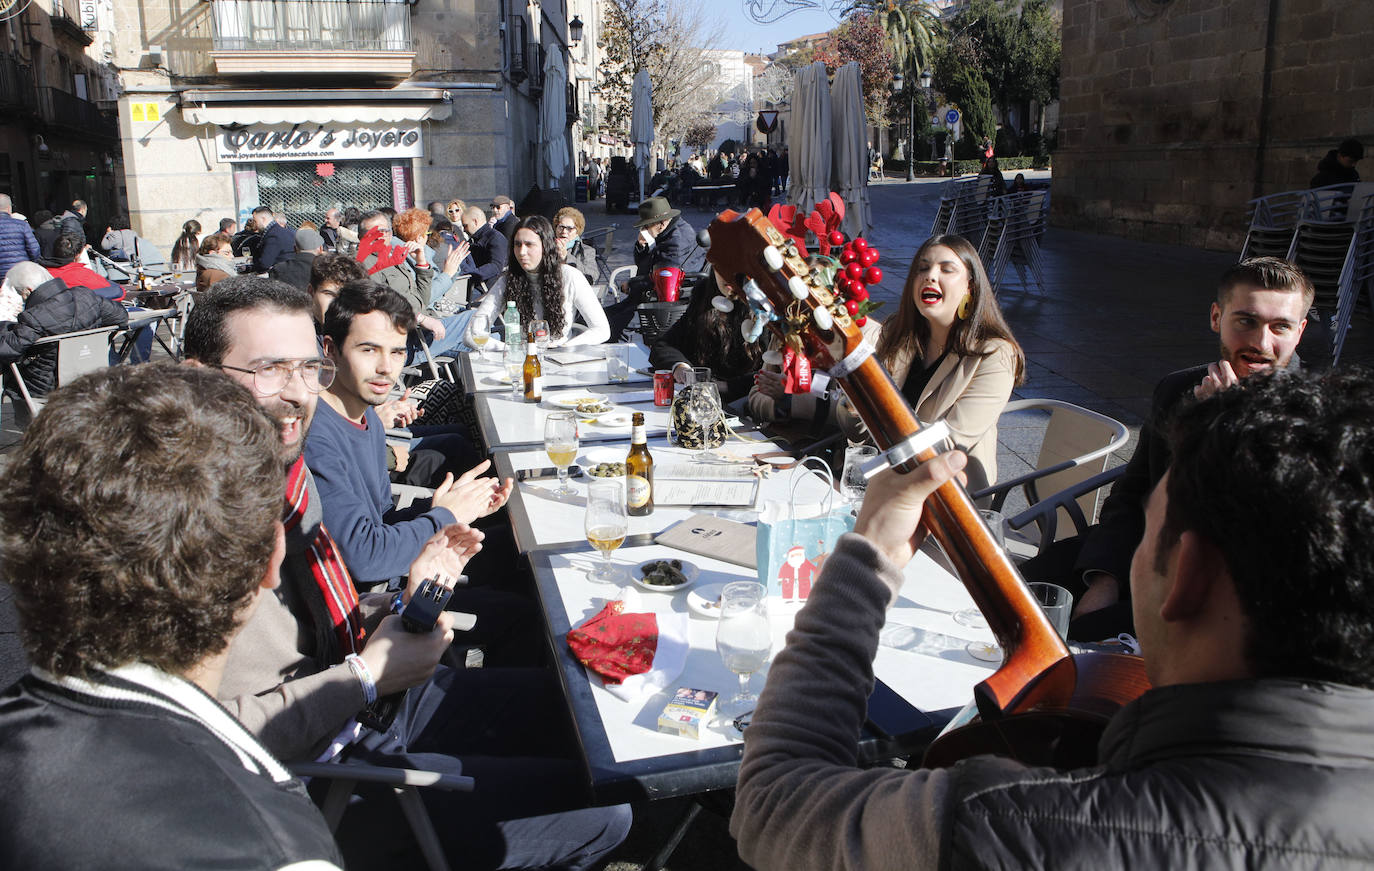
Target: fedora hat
(653, 210)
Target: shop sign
(318, 142)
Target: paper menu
(704, 484)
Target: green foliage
(1015, 46)
(912, 28)
(957, 75)
(861, 39)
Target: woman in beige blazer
(951, 352)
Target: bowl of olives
(664, 575)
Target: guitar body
(1043, 703)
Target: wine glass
(744, 637)
(853, 484)
(479, 333)
(560, 441)
(703, 409)
(987, 651)
(515, 368)
(540, 331)
(607, 523)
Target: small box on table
(686, 711)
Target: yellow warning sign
(145, 112)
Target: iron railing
(75, 115)
(18, 93)
(311, 25)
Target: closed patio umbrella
(809, 137)
(642, 125)
(554, 118)
(849, 167)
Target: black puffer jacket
(52, 309)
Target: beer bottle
(534, 374)
(639, 472)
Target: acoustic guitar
(1044, 705)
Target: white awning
(224, 108)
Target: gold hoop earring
(965, 307)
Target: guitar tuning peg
(798, 288)
(754, 293)
(823, 318)
(772, 258)
(721, 304)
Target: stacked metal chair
(964, 206)
(1357, 271)
(1015, 224)
(1273, 220)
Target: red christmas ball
(868, 256)
(848, 255)
(853, 271)
(858, 291)
(873, 275)
(851, 306)
(836, 237)
(859, 243)
(859, 322)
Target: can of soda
(663, 387)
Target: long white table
(922, 666)
(489, 375)
(543, 520)
(506, 422)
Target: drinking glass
(743, 637)
(617, 364)
(704, 410)
(479, 333)
(700, 375)
(997, 525)
(540, 331)
(853, 484)
(560, 441)
(607, 523)
(1057, 603)
(515, 368)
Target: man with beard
(1260, 313)
(315, 654)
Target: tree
(862, 39)
(912, 28)
(699, 134)
(957, 75)
(669, 38)
(1016, 49)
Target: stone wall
(1166, 129)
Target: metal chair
(77, 354)
(1012, 235)
(655, 318)
(1075, 446)
(1357, 273)
(606, 238)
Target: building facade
(301, 105)
(58, 137)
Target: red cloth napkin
(614, 644)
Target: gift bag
(794, 540)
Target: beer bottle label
(637, 491)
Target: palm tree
(912, 28)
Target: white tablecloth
(489, 375)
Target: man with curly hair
(130, 588)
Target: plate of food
(611, 418)
(580, 401)
(705, 600)
(664, 575)
(604, 462)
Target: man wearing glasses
(315, 654)
(503, 216)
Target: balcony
(76, 116)
(66, 18)
(18, 95)
(329, 37)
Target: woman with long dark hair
(951, 352)
(705, 336)
(544, 288)
(187, 245)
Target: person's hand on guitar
(891, 513)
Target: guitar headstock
(763, 269)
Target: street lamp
(575, 29)
(930, 99)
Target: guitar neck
(1021, 627)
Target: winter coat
(52, 309)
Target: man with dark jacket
(1253, 748)
(17, 242)
(1259, 315)
(665, 239)
(503, 216)
(129, 591)
(50, 309)
(294, 268)
(277, 241)
(490, 248)
(73, 220)
(1338, 167)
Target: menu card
(705, 484)
(726, 540)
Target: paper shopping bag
(794, 540)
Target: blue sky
(742, 32)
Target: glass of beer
(607, 523)
(479, 333)
(560, 440)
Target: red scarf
(327, 568)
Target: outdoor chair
(656, 317)
(77, 354)
(1273, 221)
(1357, 273)
(1075, 446)
(405, 782)
(1012, 235)
(603, 243)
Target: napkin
(635, 653)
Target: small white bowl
(705, 600)
(689, 571)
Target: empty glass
(972, 617)
(617, 364)
(744, 637)
(703, 410)
(540, 331)
(853, 484)
(515, 368)
(1057, 603)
